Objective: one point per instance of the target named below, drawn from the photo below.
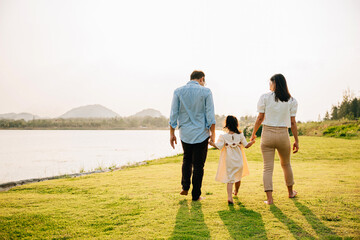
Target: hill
(90, 111)
(19, 116)
(148, 113)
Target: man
(192, 110)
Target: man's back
(193, 109)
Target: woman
(276, 110)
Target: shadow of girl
(243, 223)
(190, 222)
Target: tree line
(108, 123)
(349, 108)
(93, 123)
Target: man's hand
(172, 140)
(295, 147)
(252, 138)
(211, 143)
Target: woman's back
(277, 113)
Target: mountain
(90, 111)
(18, 116)
(148, 112)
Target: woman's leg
(284, 150)
(268, 153)
(237, 186)
(229, 192)
(269, 197)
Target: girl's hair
(231, 124)
(281, 89)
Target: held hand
(212, 138)
(250, 144)
(295, 147)
(252, 138)
(172, 140)
(211, 143)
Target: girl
(232, 163)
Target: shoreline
(8, 185)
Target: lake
(26, 154)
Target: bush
(342, 131)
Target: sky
(56, 55)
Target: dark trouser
(194, 158)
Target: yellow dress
(232, 164)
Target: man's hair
(197, 75)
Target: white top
(277, 114)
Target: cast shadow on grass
(321, 230)
(297, 231)
(190, 222)
(243, 223)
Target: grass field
(144, 203)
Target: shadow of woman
(190, 222)
(243, 223)
(321, 230)
(297, 231)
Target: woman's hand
(252, 138)
(295, 147)
(250, 144)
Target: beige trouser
(276, 138)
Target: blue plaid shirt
(192, 109)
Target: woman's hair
(281, 89)
(231, 124)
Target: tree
(354, 108)
(327, 116)
(334, 113)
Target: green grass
(143, 202)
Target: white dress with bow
(232, 164)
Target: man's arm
(174, 114)
(212, 132)
(210, 115)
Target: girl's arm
(258, 123)
(244, 142)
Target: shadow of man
(321, 230)
(243, 223)
(190, 222)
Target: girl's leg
(237, 186)
(229, 192)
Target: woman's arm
(258, 123)
(295, 133)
